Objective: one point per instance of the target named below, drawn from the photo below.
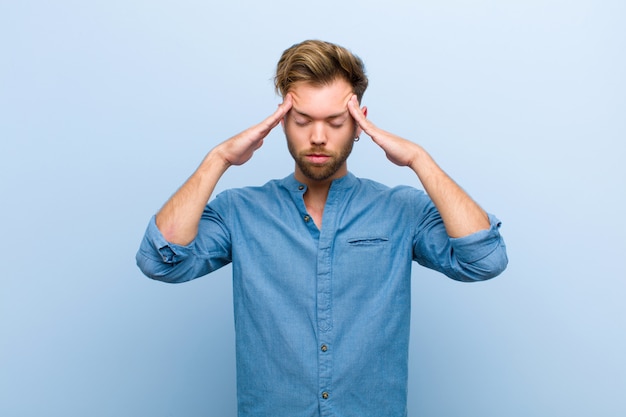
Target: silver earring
(357, 139)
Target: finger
(355, 111)
(283, 108)
(266, 126)
(358, 115)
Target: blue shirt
(322, 316)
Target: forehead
(320, 101)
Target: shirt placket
(325, 238)
(324, 324)
(325, 306)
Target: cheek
(351, 127)
(346, 132)
(296, 137)
(295, 132)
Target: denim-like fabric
(322, 316)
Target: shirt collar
(291, 184)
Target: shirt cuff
(155, 244)
(479, 245)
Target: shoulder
(398, 193)
(249, 192)
(384, 201)
(262, 196)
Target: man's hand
(399, 151)
(239, 149)
(179, 218)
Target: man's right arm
(179, 218)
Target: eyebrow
(332, 116)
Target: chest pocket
(366, 265)
(367, 241)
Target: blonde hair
(319, 63)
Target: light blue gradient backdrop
(107, 106)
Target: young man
(321, 259)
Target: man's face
(320, 130)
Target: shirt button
(324, 348)
(307, 219)
(301, 187)
(325, 395)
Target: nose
(318, 135)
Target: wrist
(216, 159)
(419, 158)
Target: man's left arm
(461, 215)
(473, 249)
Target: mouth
(317, 158)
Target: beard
(320, 172)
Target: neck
(315, 201)
(316, 194)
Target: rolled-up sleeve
(481, 255)
(164, 261)
(476, 257)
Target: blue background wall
(107, 106)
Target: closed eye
(337, 122)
